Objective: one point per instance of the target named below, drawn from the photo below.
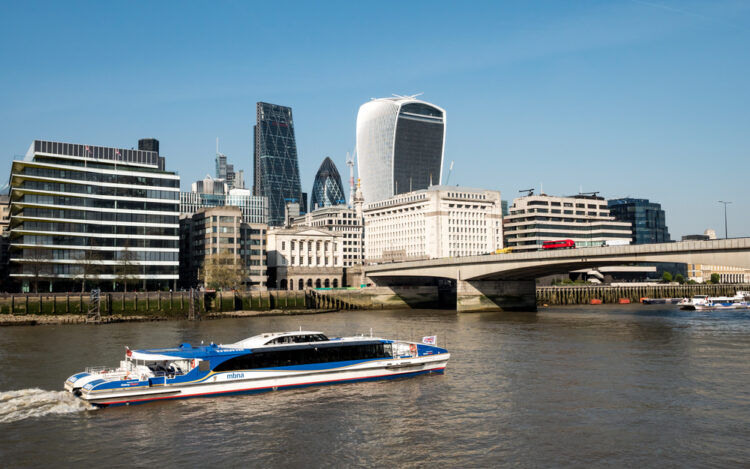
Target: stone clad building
(303, 257)
(221, 230)
(442, 221)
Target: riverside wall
(579, 295)
(177, 304)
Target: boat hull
(283, 379)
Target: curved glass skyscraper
(400, 144)
(327, 189)
(276, 167)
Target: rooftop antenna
(413, 96)
(450, 170)
(528, 191)
(350, 163)
(541, 188)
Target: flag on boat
(430, 339)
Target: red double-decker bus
(559, 244)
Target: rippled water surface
(631, 386)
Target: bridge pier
(475, 296)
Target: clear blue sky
(630, 98)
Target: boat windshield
(298, 339)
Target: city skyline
(639, 99)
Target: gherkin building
(275, 160)
(327, 189)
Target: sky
(646, 99)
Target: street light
(725, 217)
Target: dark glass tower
(647, 218)
(327, 188)
(276, 170)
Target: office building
(304, 257)
(442, 221)
(585, 219)
(97, 214)
(222, 231)
(276, 168)
(701, 273)
(327, 189)
(340, 219)
(400, 144)
(211, 192)
(646, 218)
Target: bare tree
(222, 271)
(37, 264)
(126, 268)
(90, 264)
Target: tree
(679, 279)
(37, 264)
(222, 271)
(90, 264)
(666, 277)
(715, 278)
(126, 268)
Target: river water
(619, 386)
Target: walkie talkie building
(400, 144)
(275, 160)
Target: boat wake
(34, 402)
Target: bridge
(507, 281)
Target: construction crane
(528, 191)
(450, 170)
(350, 163)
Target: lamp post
(725, 217)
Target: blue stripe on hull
(270, 388)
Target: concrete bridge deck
(506, 281)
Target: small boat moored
(261, 363)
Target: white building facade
(304, 257)
(400, 144)
(585, 219)
(339, 219)
(441, 221)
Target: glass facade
(276, 167)
(327, 189)
(80, 211)
(400, 144)
(254, 209)
(647, 218)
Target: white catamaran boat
(703, 302)
(261, 363)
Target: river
(605, 386)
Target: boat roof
(188, 352)
(263, 339)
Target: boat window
(306, 355)
(204, 366)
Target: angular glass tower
(400, 144)
(648, 219)
(275, 160)
(327, 189)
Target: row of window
(99, 216)
(306, 355)
(98, 203)
(43, 270)
(98, 229)
(86, 176)
(101, 190)
(97, 242)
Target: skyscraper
(327, 189)
(647, 218)
(275, 160)
(400, 144)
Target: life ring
(413, 348)
(193, 363)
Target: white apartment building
(442, 221)
(304, 257)
(339, 219)
(585, 219)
